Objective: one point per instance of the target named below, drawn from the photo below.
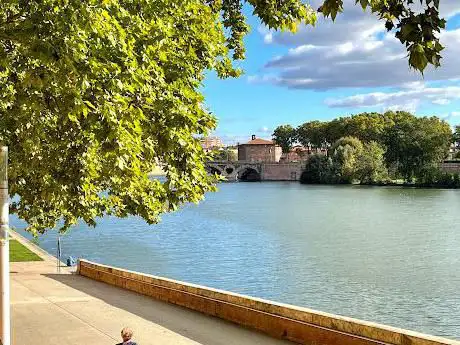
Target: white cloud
(266, 33)
(267, 78)
(452, 117)
(441, 101)
(265, 130)
(350, 25)
(410, 106)
(354, 51)
(413, 85)
(405, 99)
(370, 63)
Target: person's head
(126, 333)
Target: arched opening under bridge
(213, 170)
(248, 174)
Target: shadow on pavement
(201, 328)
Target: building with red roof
(259, 150)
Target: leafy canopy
(370, 168)
(95, 94)
(414, 143)
(345, 154)
(317, 170)
(285, 136)
(407, 143)
(312, 134)
(349, 160)
(456, 136)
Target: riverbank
(390, 184)
(63, 308)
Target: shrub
(317, 170)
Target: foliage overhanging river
(384, 254)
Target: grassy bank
(20, 253)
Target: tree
(456, 136)
(366, 127)
(336, 129)
(94, 94)
(317, 170)
(225, 154)
(312, 134)
(284, 136)
(370, 167)
(345, 154)
(415, 142)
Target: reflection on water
(389, 255)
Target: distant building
(209, 143)
(300, 153)
(454, 151)
(259, 150)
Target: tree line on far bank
(373, 148)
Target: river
(383, 254)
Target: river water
(383, 254)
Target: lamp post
(4, 251)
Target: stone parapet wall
(281, 171)
(299, 325)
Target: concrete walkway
(66, 309)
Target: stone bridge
(234, 171)
(256, 171)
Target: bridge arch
(248, 174)
(236, 171)
(213, 169)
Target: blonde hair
(127, 333)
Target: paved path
(67, 309)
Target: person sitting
(126, 335)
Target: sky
(334, 69)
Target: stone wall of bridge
(233, 171)
(281, 171)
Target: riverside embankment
(67, 309)
(81, 309)
(287, 322)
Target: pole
(4, 250)
(58, 255)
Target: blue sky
(332, 70)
